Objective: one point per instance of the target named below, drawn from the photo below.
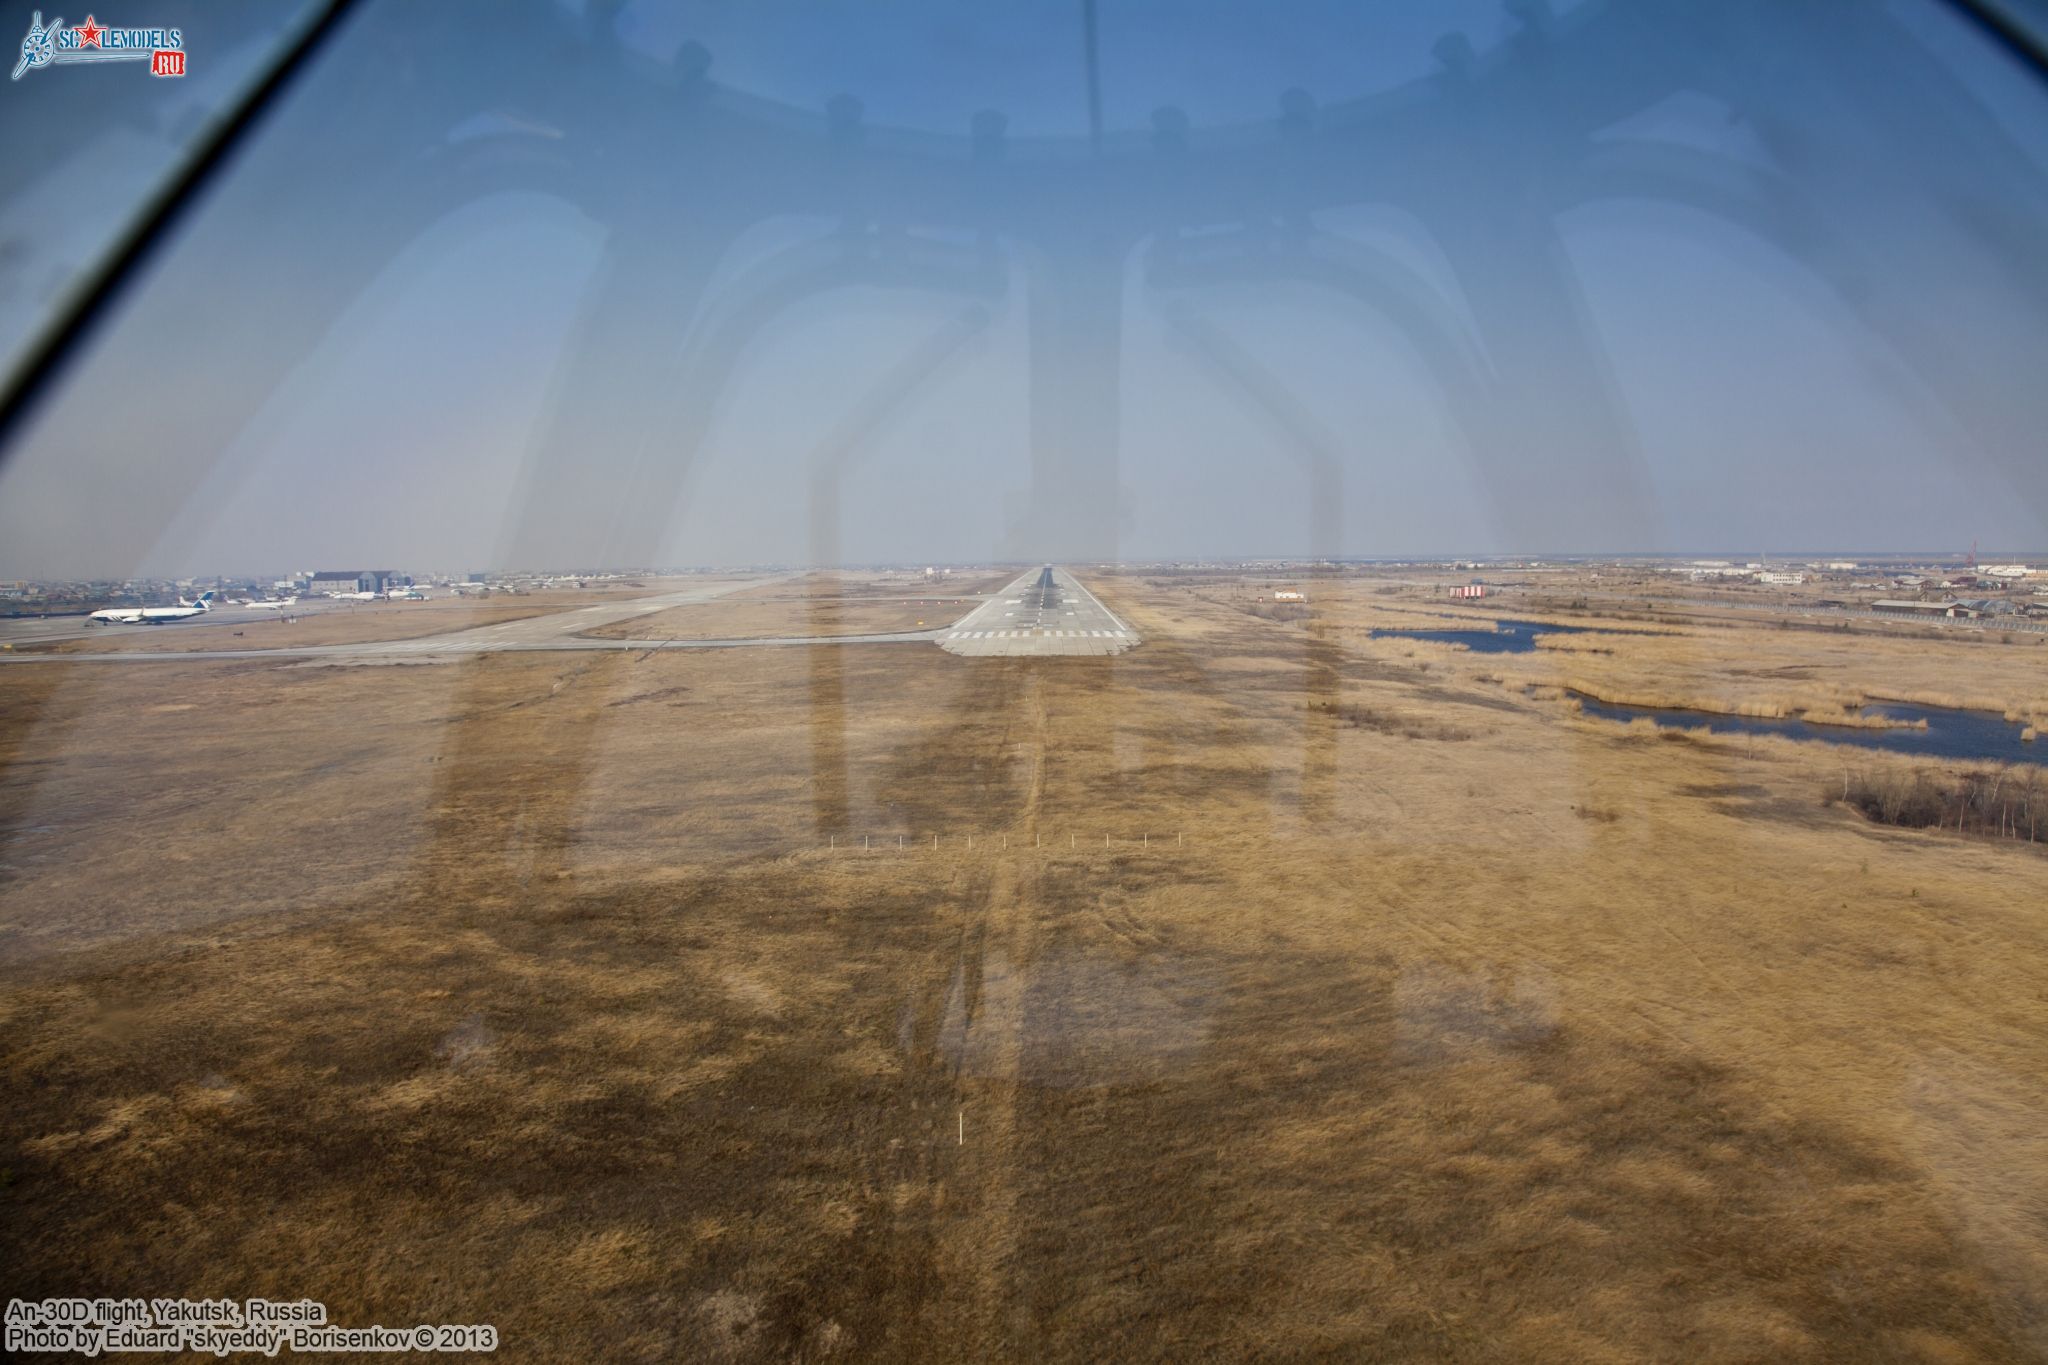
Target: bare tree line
(2010, 802)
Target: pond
(1511, 637)
(1949, 733)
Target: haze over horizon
(1358, 292)
(1930, 558)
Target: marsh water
(1949, 733)
(1509, 637)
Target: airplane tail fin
(204, 601)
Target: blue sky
(1661, 277)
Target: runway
(1045, 611)
(1030, 616)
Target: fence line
(867, 842)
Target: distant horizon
(1875, 558)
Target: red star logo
(88, 32)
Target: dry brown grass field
(1301, 994)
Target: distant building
(1285, 595)
(1914, 607)
(357, 580)
(1469, 590)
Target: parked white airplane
(153, 616)
(273, 602)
